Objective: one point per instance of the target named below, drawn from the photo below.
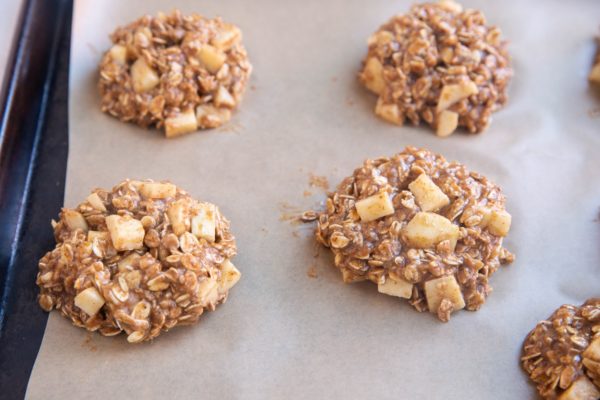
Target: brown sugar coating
(421, 228)
(562, 354)
(439, 64)
(140, 258)
(176, 72)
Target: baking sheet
(283, 334)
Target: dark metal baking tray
(33, 159)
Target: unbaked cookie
(440, 64)
(421, 228)
(140, 258)
(594, 75)
(180, 73)
(562, 354)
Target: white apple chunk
(454, 93)
(229, 275)
(185, 122)
(143, 77)
(374, 207)
(223, 98)
(157, 190)
(211, 58)
(118, 54)
(74, 220)
(398, 288)
(101, 235)
(208, 116)
(227, 37)
(373, 75)
(428, 229)
(595, 73)
(447, 123)
(427, 194)
(442, 288)
(178, 216)
(126, 233)
(451, 5)
(581, 389)
(208, 290)
(204, 223)
(389, 112)
(128, 263)
(90, 301)
(499, 223)
(96, 202)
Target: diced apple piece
(128, 263)
(208, 290)
(227, 37)
(399, 288)
(144, 78)
(442, 288)
(381, 37)
(451, 5)
(454, 93)
(93, 235)
(447, 123)
(178, 216)
(212, 58)
(427, 194)
(581, 389)
(118, 54)
(499, 223)
(90, 301)
(126, 233)
(374, 207)
(389, 112)
(593, 350)
(223, 98)
(229, 275)
(157, 190)
(74, 220)
(208, 116)
(595, 73)
(205, 222)
(372, 75)
(428, 229)
(96, 202)
(185, 122)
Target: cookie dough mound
(180, 73)
(594, 75)
(421, 228)
(141, 258)
(440, 64)
(562, 354)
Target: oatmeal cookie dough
(439, 64)
(562, 354)
(180, 73)
(140, 258)
(594, 75)
(421, 228)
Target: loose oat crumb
(318, 181)
(312, 272)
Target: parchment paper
(283, 334)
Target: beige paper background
(282, 334)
